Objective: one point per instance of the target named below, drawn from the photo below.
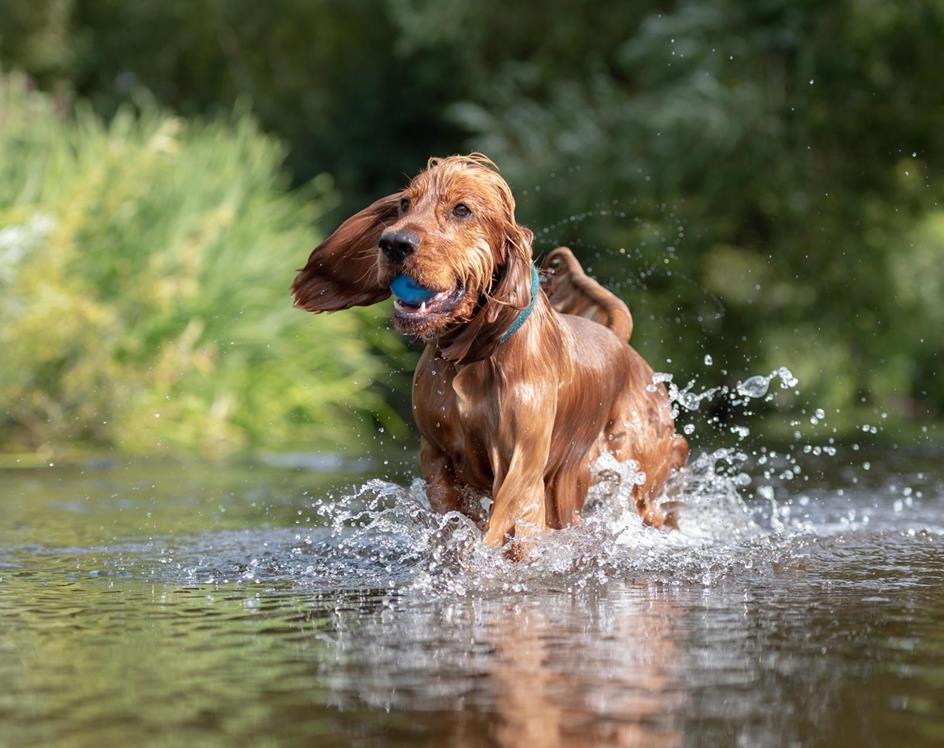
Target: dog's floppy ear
(342, 270)
(511, 293)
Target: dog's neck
(492, 325)
(536, 326)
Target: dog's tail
(571, 291)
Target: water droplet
(755, 386)
(787, 380)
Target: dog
(521, 384)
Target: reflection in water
(554, 670)
(626, 670)
(216, 608)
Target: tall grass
(144, 305)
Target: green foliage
(329, 76)
(144, 273)
(761, 180)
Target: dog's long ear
(342, 270)
(509, 295)
(513, 291)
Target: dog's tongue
(408, 290)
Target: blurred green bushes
(144, 273)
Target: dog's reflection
(548, 669)
(609, 682)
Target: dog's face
(448, 237)
(452, 230)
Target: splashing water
(757, 386)
(751, 388)
(387, 535)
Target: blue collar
(526, 312)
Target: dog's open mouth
(439, 304)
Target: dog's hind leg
(672, 505)
(641, 429)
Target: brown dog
(519, 389)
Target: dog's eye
(404, 204)
(461, 211)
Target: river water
(302, 600)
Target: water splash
(387, 535)
(752, 388)
(757, 386)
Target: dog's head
(452, 233)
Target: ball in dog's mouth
(415, 303)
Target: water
(305, 601)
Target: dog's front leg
(519, 508)
(442, 488)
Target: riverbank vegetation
(144, 305)
(762, 182)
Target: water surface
(303, 601)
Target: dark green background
(761, 180)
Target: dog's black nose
(398, 245)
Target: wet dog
(522, 384)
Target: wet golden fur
(520, 421)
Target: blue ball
(409, 290)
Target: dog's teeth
(423, 308)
